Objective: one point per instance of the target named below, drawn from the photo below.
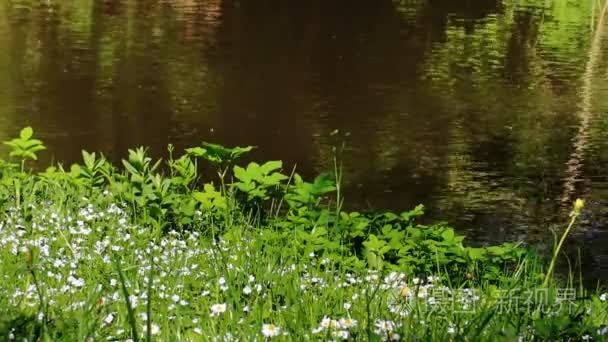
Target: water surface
(491, 113)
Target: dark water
(491, 113)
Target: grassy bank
(146, 251)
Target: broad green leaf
(448, 235)
(241, 174)
(270, 166)
(476, 253)
(26, 133)
(196, 151)
(130, 168)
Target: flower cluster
(336, 329)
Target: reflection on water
(492, 114)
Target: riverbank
(144, 251)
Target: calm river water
(494, 114)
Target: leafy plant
(25, 146)
(257, 180)
(219, 156)
(306, 194)
(295, 269)
(139, 165)
(141, 186)
(95, 170)
(183, 172)
(209, 198)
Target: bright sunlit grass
(96, 253)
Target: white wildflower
(341, 334)
(270, 330)
(109, 318)
(133, 300)
(175, 298)
(384, 327)
(247, 290)
(76, 282)
(154, 329)
(348, 323)
(218, 309)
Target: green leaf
(373, 243)
(241, 174)
(255, 172)
(210, 198)
(273, 179)
(26, 133)
(196, 151)
(37, 148)
(448, 235)
(497, 250)
(476, 253)
(257, 193)
(12, 143)
(26, 144)
(75, 169)
(373, 260)
(218, 154)
(130, 168)
(409, 215)
(270, 166)
(89, 159)
(323, 184)
(319, 231)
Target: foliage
(95, 171)
(219, 156)
(25, 146)
(304, 194)
(106, 252)
(256, 180)
(209, 198)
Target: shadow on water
(468, 107)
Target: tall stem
(575, 215)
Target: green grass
(106, 253)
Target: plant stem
(575, 215)
(149, 303)
(40, 297)
(125, 292)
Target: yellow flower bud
(579, 204)
(405, 291)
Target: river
(491, 113)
